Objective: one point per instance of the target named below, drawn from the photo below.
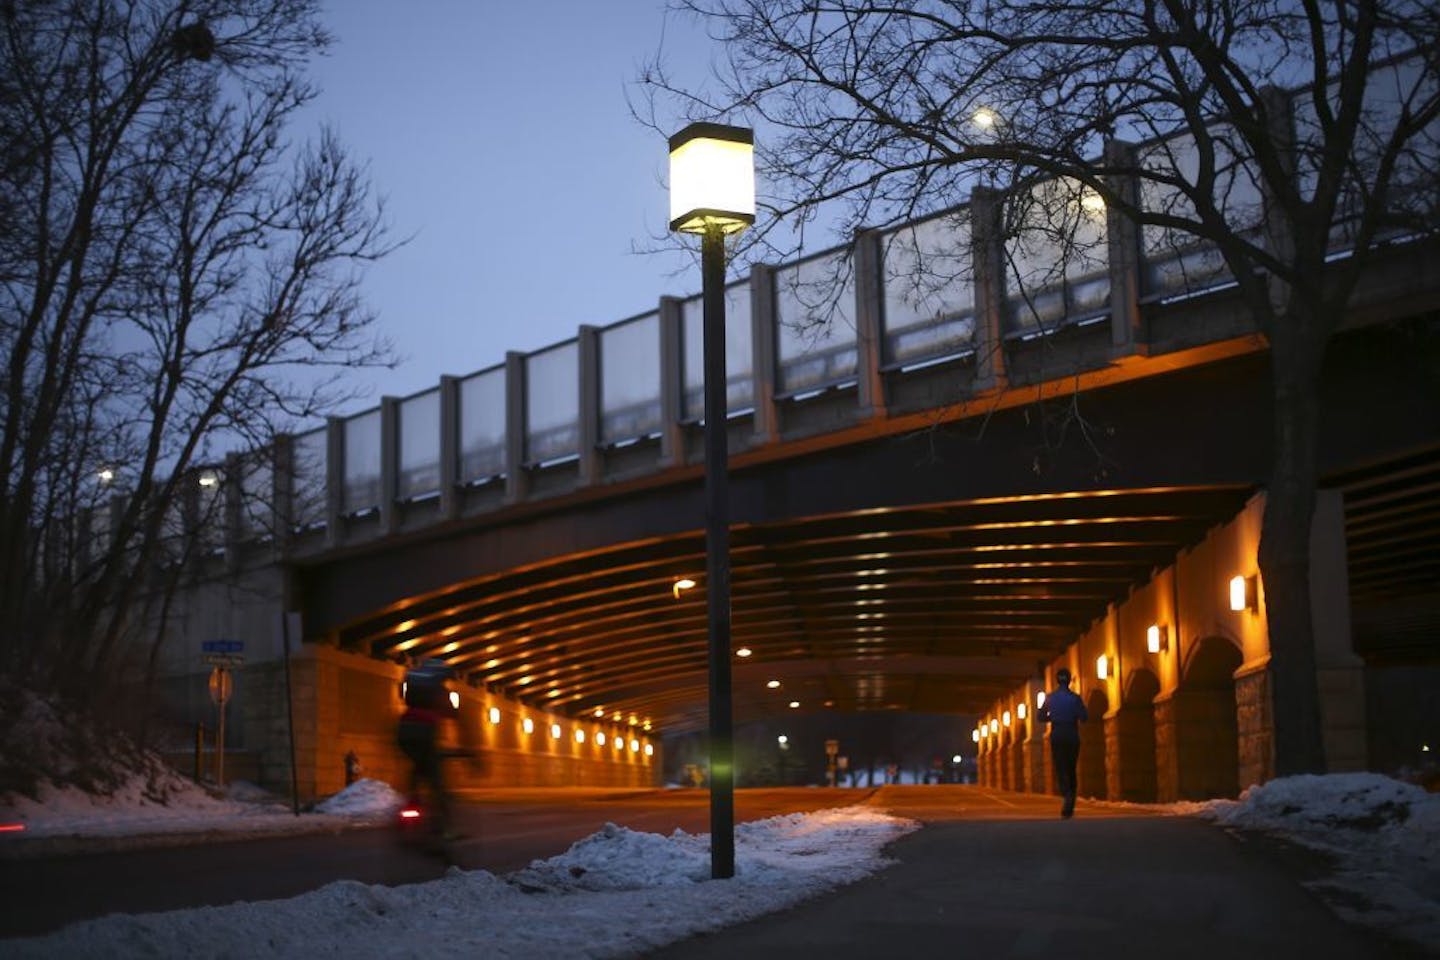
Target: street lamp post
(712, 193)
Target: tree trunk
(1297, 349)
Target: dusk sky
(501, 137)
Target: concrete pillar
(988, 256)
(234, 493)
(672, 382)
(282, 494)
(764, 346)
(588, 343)
(869, 326)
(515, 476)
(1127, 325)
(1340, 674)
(389, 464)
(449, 447)
(334, 481)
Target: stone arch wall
(1206, 736)
(1130, 740)
(1090, 772)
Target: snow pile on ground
(619, 892)
(1382, 837)
(132, 815)
(45, 748)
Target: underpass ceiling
(930, 609)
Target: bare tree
(1270, 133)
(177, 280)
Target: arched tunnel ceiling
(939, 608)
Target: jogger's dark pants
(1064, 754)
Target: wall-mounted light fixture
(1039, 699)
(1157, 638)
(599, 738)
(527, 725)
(649, 750)
(975, 735)
(1020, 709)
(494, 714)
(555, 731)
(994, 725)
(1005, 718)
(1242, 594)
(1102, 667)
(454, 700)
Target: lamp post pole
(712, 193)
(717, 559)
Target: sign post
(223, 656)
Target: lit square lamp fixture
(712, 178)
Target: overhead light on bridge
(645, 726)
(744, 652)
(773, 684)
(794, 704)
(684, 583)
(1242, 594)
(783, 740)
(1102, 667)
(599, 713)
(1157, 638)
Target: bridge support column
(869, 326)
(988, 255)
(515, 478)
(672, 383)
(334, 481)
(1127, 324)
(763, 346)
(449, 447)
(389, 463)
(588, 441)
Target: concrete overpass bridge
(940, 494)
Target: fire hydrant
(352, 767)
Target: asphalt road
(504, 830)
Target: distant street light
(712, 193)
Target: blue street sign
(222, 646)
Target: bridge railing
(815, 344)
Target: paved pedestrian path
(1008, 878)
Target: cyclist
(427, 703)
